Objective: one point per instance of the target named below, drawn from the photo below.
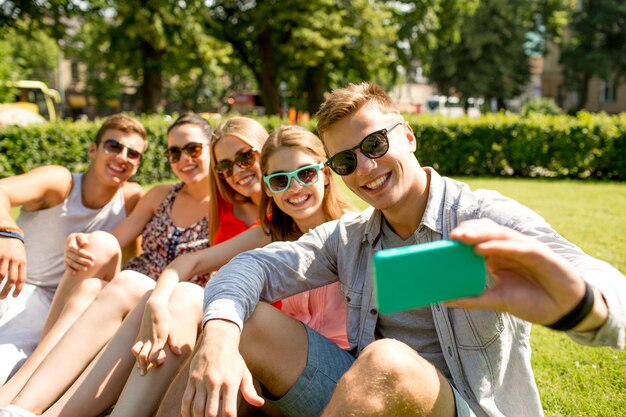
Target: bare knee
(392, 358)
(106, 250)
(126, 289)
(186, 302)
(389, 375)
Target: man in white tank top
(55, 203)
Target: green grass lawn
(574, 380)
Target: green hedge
(589, 145)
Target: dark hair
(190, 118)
(123, 123)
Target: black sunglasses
(192, 149)
(373, 146)
(113, 147)
(244, 159)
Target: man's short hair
(343, 102)
(123, 123)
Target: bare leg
(170, 404)
(68, 303)
(274, 347)
(391, 379)
(99, 386)
(141, 394)
(67, 360)
(72, 297)
(278, 369)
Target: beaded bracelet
(12, 235)
(577, 314)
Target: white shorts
(21, 321)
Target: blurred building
(608, 95)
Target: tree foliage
(491, 58)
(306, 45)
(27, 55)
(426, 24)
(597, 45)
(189, 54)
(159, 43)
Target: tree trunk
(315, 86)
(501, 104)
(152, 86)
(267, 78)
(583, 92)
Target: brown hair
(343, 102)
(251, 132)
(190, 118)
(274, 221)
(124, 123)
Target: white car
(16, 115)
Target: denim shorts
(326, 364)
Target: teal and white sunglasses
(306, 176)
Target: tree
(597, 45)
(491, 59)
(306, 45)
(338, 43)
(27, 55)
(48, 15)
(426, 24)
(150, 41)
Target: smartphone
(419, 275)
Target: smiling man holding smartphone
(468, 357)
(55, 203)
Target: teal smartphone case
(419, 275)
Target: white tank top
(45, 231)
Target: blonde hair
(274, 221)
(249, 131)
(343, 102)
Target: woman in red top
(235, 177)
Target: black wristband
(577, 314)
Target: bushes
(586, 146)
(66, 143)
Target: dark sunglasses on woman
(114, 147)
(373, 146)
(192, 149)
(280, 181)
(244, 159)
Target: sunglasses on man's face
(113, 147)
(192, 149)
(373, 146)
(244, 159)
(280, 181)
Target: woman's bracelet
(577, 314)
(12, 235)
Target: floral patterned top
(162, 241)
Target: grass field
(574, 380)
